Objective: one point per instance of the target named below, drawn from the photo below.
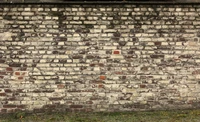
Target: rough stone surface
(99, 57)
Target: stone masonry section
(99, 57)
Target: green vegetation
(150, 116)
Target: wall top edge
(102, 2)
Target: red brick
(61, 86)
(9, 69)
(119, 73)
(102, 77)
(17, 73)
(2, 94)
(1, 77)
(116, 52)
(142, 86)
(20, 78)
(101, 86)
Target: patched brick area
(99, 57)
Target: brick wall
(99, 57)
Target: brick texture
(99, 57)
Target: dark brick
(196, 72)
(134, 39)
(182, 39)
(63, 61)
(76, 106)
(2, 94)
(122, 43)
(55, 52)
(157, 43)
(88, 90)
(130, 52)
(101, 64)
(97, 81)
(55, 98)
(60, 39)
(8, 90)
(11, 98)
(14, 64)
(20, 90)
(49, 106)
(123, 77)
(92, 65)
(21, 106)
(90, 57)
(37, 110)
(142, 86)
(185, 56)
(4, 110)
(2, 61)
(1, 77)
(79, 30)
(116, 34)
(9, 106)
(77, 57)
(144, 68)
(157, 56)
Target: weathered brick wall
(99, 57)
